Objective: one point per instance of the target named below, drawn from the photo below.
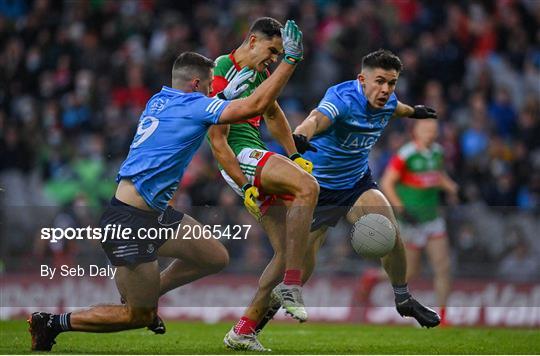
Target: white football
(373, 236)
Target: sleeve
(221, 69)
(397, 163)
(208, 110)
(218, 85)
(332, 105)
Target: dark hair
(382, 58)
(267, 26)
(190, 64)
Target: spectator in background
(521, 264)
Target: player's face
(264, 51)
(426, 131)
(378, 85)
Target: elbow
(259, 106)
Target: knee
(140, 317)
(307, 189)
(219, 261)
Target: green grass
(310, 338)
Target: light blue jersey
(343, 149)
(171, 128)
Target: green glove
(292, 43)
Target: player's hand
(423, 112)
(292, 43)
(237, 86)
(251, 193)
(302, 144)
(303, 163)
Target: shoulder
(342, 91)
(223, 64)
(392, 102)
(343, 88)
(407, 150)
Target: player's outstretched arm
(268, 91)
(416, 112)
(315, 123)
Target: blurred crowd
(75, 76)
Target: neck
(422, 145)
(185, 87)
(241, 56)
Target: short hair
(190, 64)
(382, 58)
(267, 26)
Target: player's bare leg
(273, 223)
(138, 284)
(395, 263)
(195, 258)
(243, 336)
(316, 240)
(414, 259)
(438, 253)
(281, 176)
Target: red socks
(245, 326)
(293, 277)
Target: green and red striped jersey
(420, 179)
(245, 134)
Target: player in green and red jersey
(412, 183)
(265, 180)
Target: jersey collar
(231, 56)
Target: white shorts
(251, 161)
(417, 236)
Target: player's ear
(252, 40)
(195, 84)
(362, 78)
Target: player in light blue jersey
(171, 128)
(339, 134)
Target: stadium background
(75, 76)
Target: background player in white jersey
(343, 128)
(412, 182)
(171, 128)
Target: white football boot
(243, 342)
(292, 301)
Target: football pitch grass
(286, 338)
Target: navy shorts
(333, 204)
(134, 250)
